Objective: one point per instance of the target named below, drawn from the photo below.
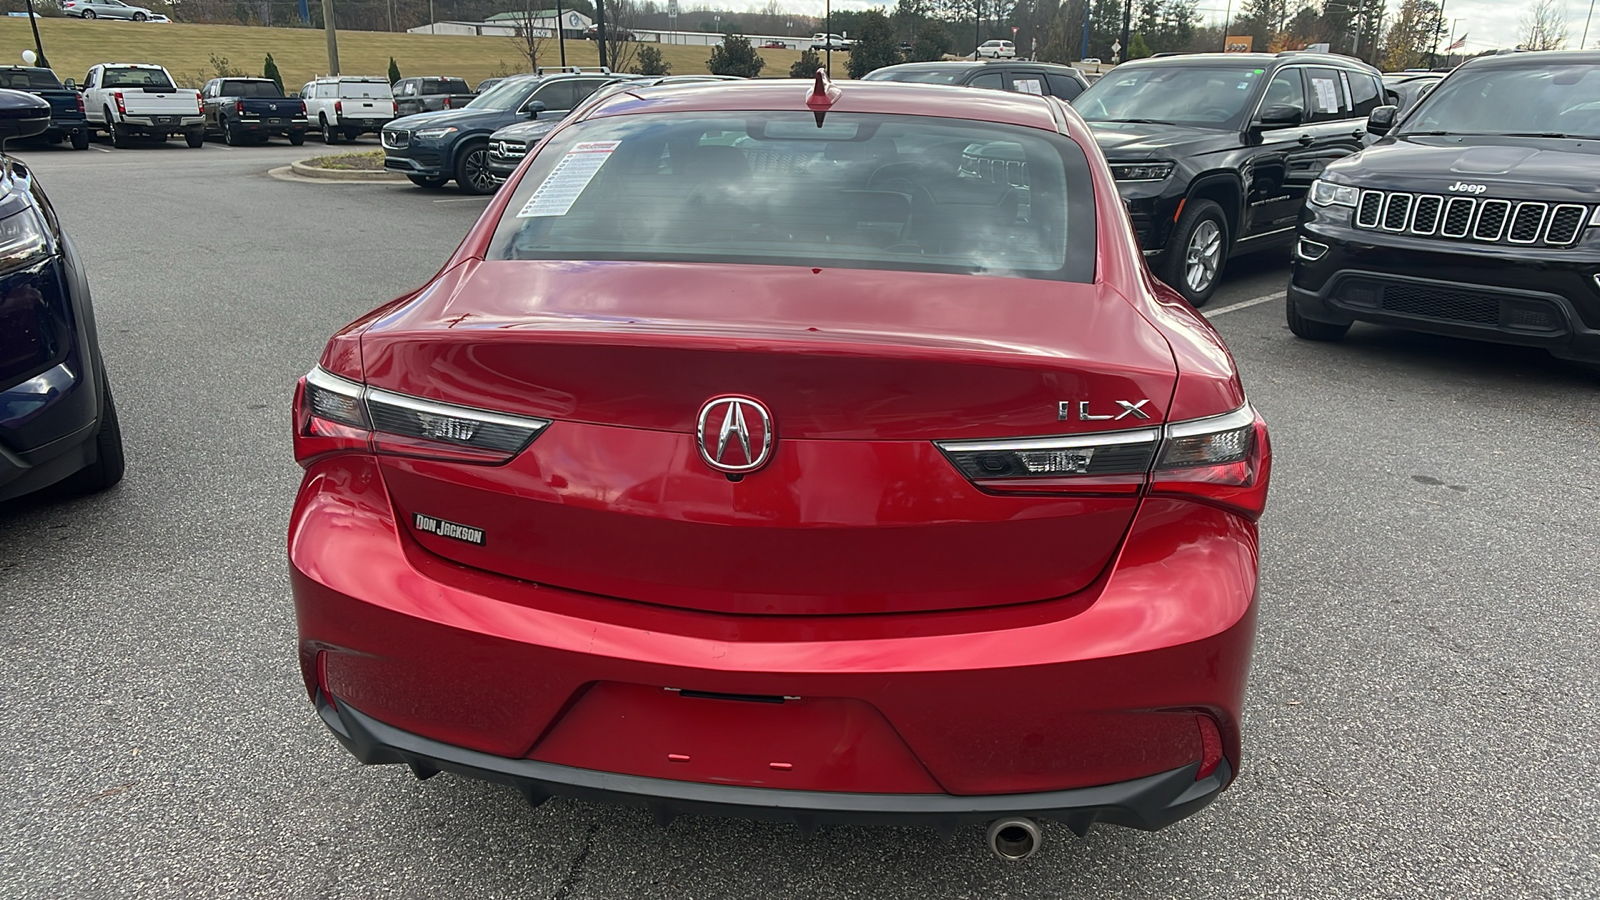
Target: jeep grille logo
(1462, 187)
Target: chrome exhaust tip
(1015, 838)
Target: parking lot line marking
(460, 199)
(101, 149)
(1242, 304)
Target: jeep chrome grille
(1488, 221)
(396, 140)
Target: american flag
(1462, 42)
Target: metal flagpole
(1582, 44)
(1227, 19)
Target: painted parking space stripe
(1242, 304)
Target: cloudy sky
(1488, 24)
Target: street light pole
(1227, 19)
(33, 20)
(1583, 44)
(827, 35)
(333, 38)
(1127, 19)
(561, 33)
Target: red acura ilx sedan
(793, 451)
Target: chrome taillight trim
(1056, 442)
(434, 408)
(1228, 421)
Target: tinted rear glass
(930, 75)
(445, 86)
(367, 90)
(862, 191)
(29, 80)
(250, 89)
(154, 78)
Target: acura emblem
(734, 434)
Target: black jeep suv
(1477, 216)
(1214, 152)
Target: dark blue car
(432, 148)
(58, 425)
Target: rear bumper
(255, 127)
(166, 125)
(361, 126)
(573, 693)
(1147, 803)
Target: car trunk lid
(855, 511)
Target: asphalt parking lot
(1424, 715)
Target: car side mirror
(69, 84)
(1280, 116)
(535, 108)
(1381, 120)
(22, 115)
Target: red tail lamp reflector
(333, 414)
(1210, 746)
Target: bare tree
(529, 33)
(1544, 26)
(621, 47)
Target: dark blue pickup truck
(241, 110)
(67, 121)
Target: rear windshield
(154, 78)
(920, 75)
(250, 89)
(860, 191)
(29, 80)
(1549, 100)
(365, 90)
(445, 86)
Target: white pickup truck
(348, 106)
(129, 99)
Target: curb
(300, 168)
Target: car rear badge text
(1068, 409)
(1462, 187)
(449, 529)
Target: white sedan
(997, 50)
(106, 9)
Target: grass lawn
(370, 161)
(73, 45)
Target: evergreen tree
(874, 45)
(735, 56)
(269, 69)
(807, 65)
(650, 62)
(933, 42)
(1137, 48)
(394, 71)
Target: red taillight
(302, 107)
(122, 108)
(80, 103)
(338, 107)
(332, 414)
(1223, 460)
(447, 103)
(238, 107)
(1210, 746)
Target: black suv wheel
(1192, 263)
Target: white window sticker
(568, 179)
(1344, 82)
(1327, 94)
(1027, 86)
